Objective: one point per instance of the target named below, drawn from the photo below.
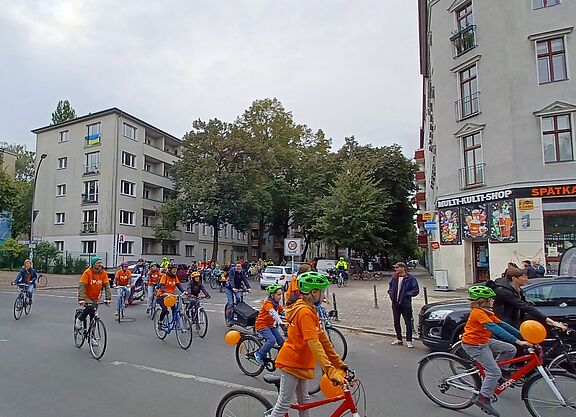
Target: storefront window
(559, 231)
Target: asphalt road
(43, 374)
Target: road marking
(197, 378)
(3, 340)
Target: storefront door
(481, 261)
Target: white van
(323, 265)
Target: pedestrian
(402, 288)
(539, 268)
(530, 271)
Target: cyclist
(164, 264)
(477, 342)
(293, 293)
(195, 287)
(268, 321)
(154, 275)
(140, 268)
(27, 276)
(342, 268)
(122, 283)
(237, 280)
(89, 289)
(306, 345)
(167, 285)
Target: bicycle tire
(250, 404)
(201, 323)
(214, 284)
(533, 400)
(79, 334)
(245, 350)
(164, 332)
(378, 276)
(457, 350)
(27, 305)
(565, 361)
(184, 333)
(447, 365)
(97, 332)
(314, 384)
(18, 306)
(42, 281)
(338, 340)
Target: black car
(440, 324)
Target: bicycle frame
(175, 317)
(347, 405)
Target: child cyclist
(154, 276)
(268, 321)
(306, 345)
(477, 342)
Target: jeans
(485, 354)
(403, 310)
(122, 291)
(89, 309)
(272, 336)
(290, 385)
(150, 291)
(230, 297)
(160, 301)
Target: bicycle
(336, 336)
(246, 349)
(95, 331)
(457, 382)
(23, 301)
(121, 299)
(42, 280)
(249, 403)
(235, 320)
(180, 323)
(195, 312)
(340, 281)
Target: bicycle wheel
(97, 338)
(245, 350)
(242, 403)
(42, 281)
(184, 334)
(338, 341)
(79, 335)
(27, 305)
(314, 384)
(542, 402)
(18, 306)
(378, 276)
(201, 325)
(214, 283)
(457, 350)
(449, 381)
(165, 326)
(565, 361)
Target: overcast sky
(348, 67)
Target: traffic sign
(293, 247)
(121, 238)
(435, 245)
(430, 226)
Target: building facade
(497, 143)
(104, 177)
(8, 162)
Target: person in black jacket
(237, 281)
(530, 271)
(510, 303)
(402, 288)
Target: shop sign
(427, 216)
(551, 191)
(435, 245)
(449, 220)
(552, 251)
(476, 198)
(526, 205)
(430, 226)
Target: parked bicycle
(121, 300)
(95, 331)
(453, 382)
(41, 280)
(23, 302)
(194, 309)
(179, 322)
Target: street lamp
(42, 157)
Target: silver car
(276, 275)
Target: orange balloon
(533, 331)
(169, 301)
(232, 337)
(328, 388)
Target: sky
(348, 67)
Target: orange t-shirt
(153, 278)
(295, 352)
(94, 283)
(293, 286)
(264, 318)
(169, 283)
(122, 277)
(474, 331)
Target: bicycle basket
(245, 314)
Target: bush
(59, 266)
(12, 254)
(45, 254)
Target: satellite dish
(568, 263)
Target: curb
(368, 331)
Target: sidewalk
(54, 281)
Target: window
(464, 16)
(551, 57)
(147, 167)
(127, 218)
(211, 231)
(147, 220)
(88, 247)
(60, 218)
(128, 188)
(126, 248)
(190, 227)
(204, 233)
(60, 190)
(63, 163)
(93, 134)
(540, 4)
(204, 255)
(473, 172)
(166, 171)
(169, 248)
(129, 131)
(90, 194)
(146, 248)
(128, 159)
(59, 245)
(89, 221)
(146, 193)
(189, 251)
(92, 163)
(557, 138)
(225, 230)
(63, 136)
(468, 104)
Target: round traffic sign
(292, 245)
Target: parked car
(441, 324)
(182, 273)
(276, 274)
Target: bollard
(425, 295)
(335, 311)
(375, 298)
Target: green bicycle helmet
(475, 292)
(312, 280)
(271, 289)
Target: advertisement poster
(449, 220)
(475, 224)
(502, 221)
(5, 226)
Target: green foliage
(24, 161)
(63, 112)
(58, 267)
(12, 254)
(8, 192)
(44, 254)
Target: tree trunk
(260, 236)
(306, 245)
(216, 227)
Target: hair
(26, 261)
(480, 303)
(304, 268)
(512, 264)
(527, 261)
(514, 273)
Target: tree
(63, 112)
(44, 254)
(8, 191)
(12, 253)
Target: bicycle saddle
(272, 379)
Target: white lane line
(3, 340)
(42, 295)
(197, 378)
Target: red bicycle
(246, 403)
(453, 382)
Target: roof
(113, 110)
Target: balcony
(88, 227)
(421, 176)
(419, 155)
(472, 176)
(91, 198)
(463, 40)
(467, 106)
(92, 168)
(420, 197)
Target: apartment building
(497, 143)
(104, 176)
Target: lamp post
(42, 157)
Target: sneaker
(259, 358)
(77, 325)
(30, 301)
(409, 345)
(147, 311)
(397, 343)
(486, 406)
(94, 343)
(160, 327)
